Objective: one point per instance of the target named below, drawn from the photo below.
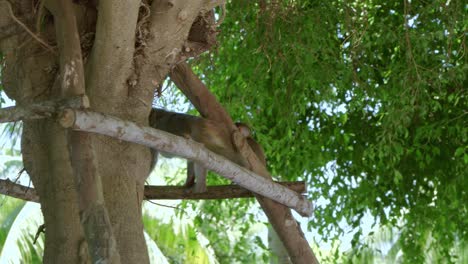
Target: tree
(123, 63)
(365, 100)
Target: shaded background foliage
(375, 89)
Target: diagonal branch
(195, 90)
(179, 146)
(279, 216)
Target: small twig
(408, 41)
(40, 11)
(164, 205)
(38, 39)
(18, 176)
(93, 122)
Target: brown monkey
(211, 134)
(257, 149)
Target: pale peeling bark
(189, 149)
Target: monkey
(214, 136)
(245, 130)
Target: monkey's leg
(196, 175)
(190, 181)
(200, 178)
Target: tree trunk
(128, 48)
(120, 80)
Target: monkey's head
(244, 129)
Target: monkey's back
(211, 134)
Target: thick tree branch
(111, 58)
(169, 24)
(92, 210)
(41, 109)
(163, 141)
(71, 63)
(15, 190)
(18, 191)
(212, 192)
(195, 90)
(291, 235)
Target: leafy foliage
(10, 209)
(29, 251)
(231, 229)
(375, 90)
(2, 99)
(19, 222)
(179, 246)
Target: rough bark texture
(44, 144)
(119, 81)
(92, 210)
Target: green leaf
(459, 151)
(397, 177)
